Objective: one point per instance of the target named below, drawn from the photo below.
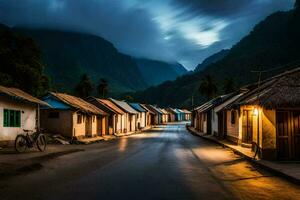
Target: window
(233, 116)
(94, 118)
(79, 119)
(11, 118)
(53, 115)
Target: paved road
(164, 163)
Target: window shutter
(18, 119)
(5, 118)
(11, 118)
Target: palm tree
(208, 87)
(102, 88)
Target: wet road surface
(164, 163)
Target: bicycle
(24, 141)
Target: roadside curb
(133, 133)
(249, 158)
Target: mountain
(212, 59)
(155, 72)
(68, 55)
(273, 45)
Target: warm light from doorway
(255, 112)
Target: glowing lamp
(255, 112)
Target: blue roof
(55, 103)
(137, 107)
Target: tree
(102, 88)
(208, 87)
(229, 85)
(85, 87)
(21, 63)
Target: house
(18, 111)
(130, 115)
(270, 117)
(150, 115)
(179, 114)
(141, 117)
(200, 117)
(206, 119)
(116, 116)
(158, 114)
(165, 116)
(187, 114)
(182, 114)
(217, 118)
(228, 125)
(72, 117)
(172, 114)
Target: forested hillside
(155, 72)
(69, 55)
(212, 59)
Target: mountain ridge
(273, 42)
(155, 72)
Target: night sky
(186, 31)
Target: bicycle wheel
(20, 143)
(41, 142)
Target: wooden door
(288, 135)
(208, 121)
(296, 134)
(88, 126)
(283, 135)
(247, 126)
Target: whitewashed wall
(143, 120)
(214, 122)
(28, 119)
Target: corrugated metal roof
(147, 109)
(171, 110)
(125, 106)
(111, 106)
(77, 103)
(164, 111)
(137, 107)
(180, 111)
(154, 109)
(21, 95)
(186, 111)
(226, 103)
(213, 102)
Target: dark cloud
(172, 30)
(216, 7)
